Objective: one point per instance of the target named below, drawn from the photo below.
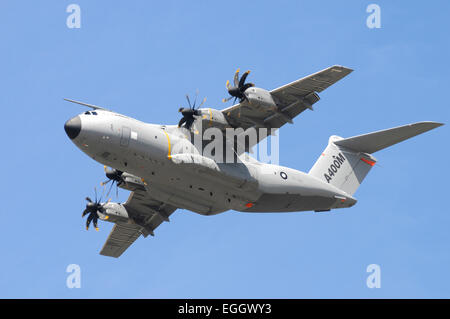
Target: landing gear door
(125, 137)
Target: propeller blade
(195, 100)
(189, 123)
(242, 81)
(88, 220)
(84, 212)
(95, 190)
(103, 193)
(228, 85)
(89, 200)
(94, 221)
(189, 101)
(105, 182)
(204, 100)
(236, 78)
(110, 187)
(181, 122)
(246, 86)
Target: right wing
(145, 213)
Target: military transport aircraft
(165, 170)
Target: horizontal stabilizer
(375, 141)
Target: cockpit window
(95, 113)
(87, 113)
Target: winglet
(95, 107)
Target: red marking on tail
(371, 163)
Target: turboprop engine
(114, 212)
(260, 98)
(247, 92)
(213, 118)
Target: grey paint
(162, 178)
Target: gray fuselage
(148, 151)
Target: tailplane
(346, 161)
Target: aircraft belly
(290, 203)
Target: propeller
(92, 209)
(189, 113)
(114, 176)
(237, 91)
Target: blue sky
(140, 58)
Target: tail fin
(346, 161)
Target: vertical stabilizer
(346, 161)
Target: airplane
(165, 170)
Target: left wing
(120, 238)
(290, 99)
(145, 215)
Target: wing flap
(121, 237)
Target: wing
(291, 99)
(120, 238)
(145, 213)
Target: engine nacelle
(114, 212)
(260, 98)
(117, 213)
(132, 182)
(213, 118)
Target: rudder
(342, 167)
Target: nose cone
(73, 127)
